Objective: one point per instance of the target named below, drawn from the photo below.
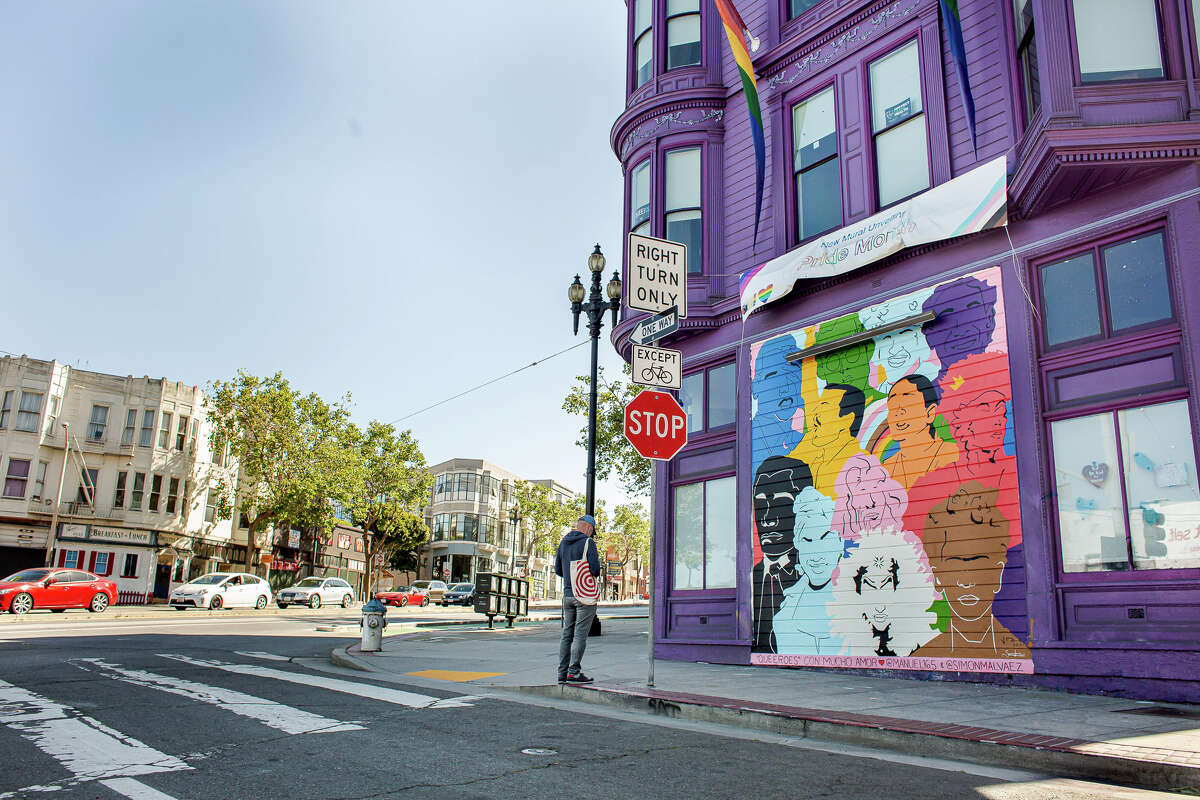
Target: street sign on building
(654, 328)
(614, 569)
(656, 425)
(656, 366)
(657, 276)
(379, 559)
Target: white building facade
(137, 497)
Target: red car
(55, 589)
(403, 597)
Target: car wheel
(180, 608)
(346, 601)
(99, 603)
(57, 610)
(216, 603)
(314, 601)
(21, 604)
(403, 602)
(424, 602)
(262, 602)
(282, 605)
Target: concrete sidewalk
(1155, 745)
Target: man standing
(576, 616)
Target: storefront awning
(972, 202)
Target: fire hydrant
(372, 624)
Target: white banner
(974, 201)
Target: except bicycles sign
(656, 366)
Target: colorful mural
(886, 519)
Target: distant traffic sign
(656, 425)
(654, 328)
(657, 274)
(656, 366)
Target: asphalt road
(252, 708)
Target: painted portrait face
(846, 364)
(909, 417)
(899, 353)
(966, 310)
(776, 484)
(868, 498)
(876, 583)
(966, 538)
(776, 386)
(829, 425)
(818, 546)
(978, 422)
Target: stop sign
(656, 425)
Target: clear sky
(372, 197)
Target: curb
(341, 657)
(1125, 764)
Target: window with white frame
(97, 423)
(192, 439)
(17, 479)
(70, 559)
(130, 426)
(119, 493)
(898, 125)
(101, 565)
(639, 198)
(130, 568)
(683, 220)
(181, 432)
(643, 41)
(683, 33)
(156, 482)
(210, 506)
(164, 432)
(138, 491)
(172, 494)
(6, 408)
(817, 178)
(86, 493)
(1117, 40)
(705, 519)
(39, 483)
(30, 412)
(146, 437)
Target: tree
(387, 479)
(628, 534)
(614, 453)
(545, 519)
(289, 450)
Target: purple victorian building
(943, 403)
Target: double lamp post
(595, 307)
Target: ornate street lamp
(594, 308)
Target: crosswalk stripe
(277, 715)
(371, 692)
(263, 656)
(135, 790)
(86, 747)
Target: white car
(222, 590)
(314, 592)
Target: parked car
(459, 594)
(222, 590)
(404, 596)
(435, 589)
(57, 590)
(314, 592)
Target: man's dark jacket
(570, 549)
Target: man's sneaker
(562, 678)
(578, 678)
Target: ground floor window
(1126, 489)
(130, 568)
(705, 535)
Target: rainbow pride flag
(958, 49)
(738, 34)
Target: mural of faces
(966, 539)
(836, 416)
(966, 310)
(777, 483)
(867, 498)
(912, 407)
(776, 391)
(846, 365)
(979, 422)
(818, 546)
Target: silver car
(222, 590)
(314, 592)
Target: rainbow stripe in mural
(737, 33)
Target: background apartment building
(475, 525)
(135, 503)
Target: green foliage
(628, 533)
(614, 453)
(288, 448)
(544, 518)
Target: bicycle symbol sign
(656, 366)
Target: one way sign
(654, 328)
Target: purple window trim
(1016, 80)
(658, 47)
(790, 101)
(705, 433)
(669, 544)
(1058, 409)
(1170, 70)
(1096, 247)
(869, 156)
(1101, 578)
(657, 151)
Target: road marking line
(86, 747)
(263, 656)
(454, 675)
(395, 696)
(135, 790)
(277, 715)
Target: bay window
(1117, 40)
(798, 7)
(705, 527)
(1031, 86)
(639, 199)
(898, 125)
(709, 398)
(683, 220)
(816, 176)
(643, 41)
(683, 33)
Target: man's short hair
(853, 402)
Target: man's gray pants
(576, 622)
